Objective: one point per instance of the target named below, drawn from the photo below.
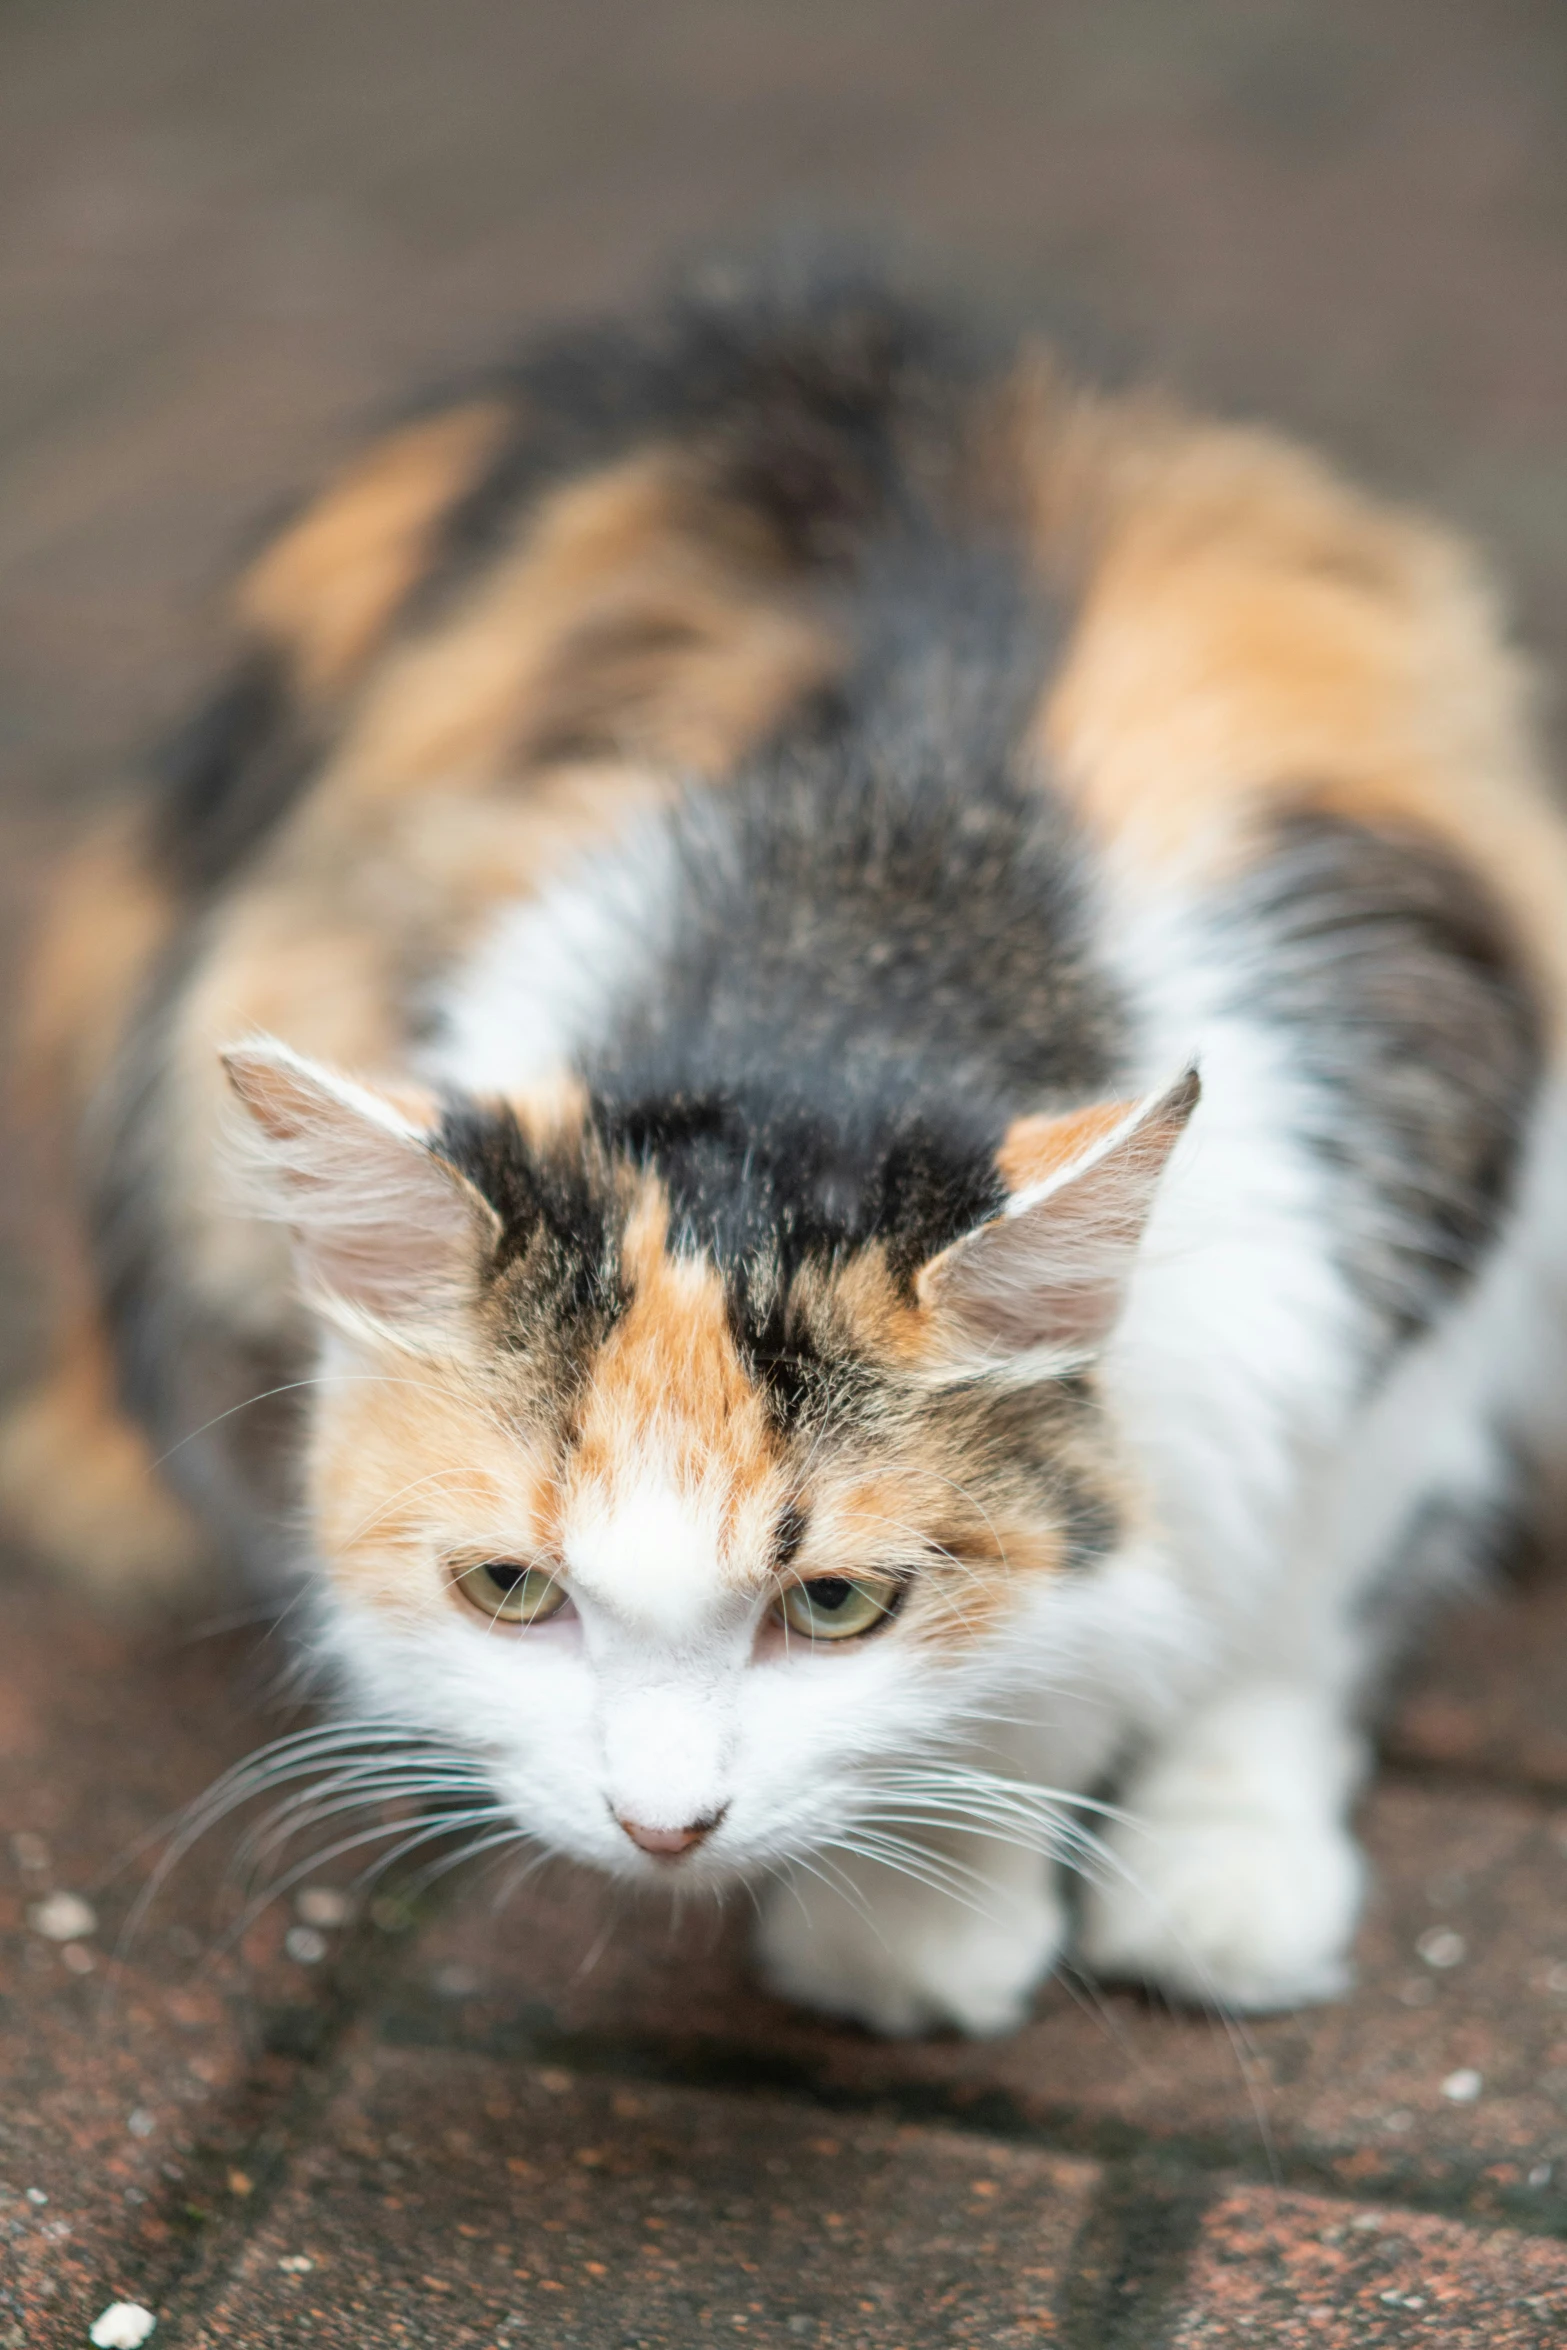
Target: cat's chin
(711, 1879)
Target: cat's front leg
(1236, 1877)
(853, 1937)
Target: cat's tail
(77, 1478)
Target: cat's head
(686, 1539)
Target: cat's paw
(910, 1961)
(1254, 1912)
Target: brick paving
(223, 236)
(646, 2214)
(1301, 2274)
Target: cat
(829, 1096)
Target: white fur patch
(1238, 1358)
(545, 983)
(1236, 1878)
(879, 1948)
(650, 1555)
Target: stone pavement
(453, 2120)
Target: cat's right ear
(382, 1223)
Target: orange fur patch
(1033, 1149)
(669, 1387)
(78, 1479)
(553, 1112)
(1254, 633)
(906, 1514)
(859, 1301)
(409, 1468)
(716, 648)
(105, 919)
(328, 588)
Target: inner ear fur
(381, 1221)
(1049, 1273)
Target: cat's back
(646, 552)
(650, 559)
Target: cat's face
(689, 1572)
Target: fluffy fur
(859, 976)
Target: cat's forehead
(699, 1333)
(677, 1431)
(670, 1424)
(631, 1431)
(689, 1457)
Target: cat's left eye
(838, 1607)
(509, 1593)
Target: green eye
(838, 1607)
(511, 1594)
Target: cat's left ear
(1049, 1273)
(381, 1221)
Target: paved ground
(223, 234)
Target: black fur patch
(1408, 1010)
(802, 388)
(878, 956)
(559, 1235)
(791, 1532)
(231, 775)
(881, 958)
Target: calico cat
(890, 1143)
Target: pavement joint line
(214, 2244)
(1130, 2263)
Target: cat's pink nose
(668, 1842)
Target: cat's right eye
(506, 1592)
